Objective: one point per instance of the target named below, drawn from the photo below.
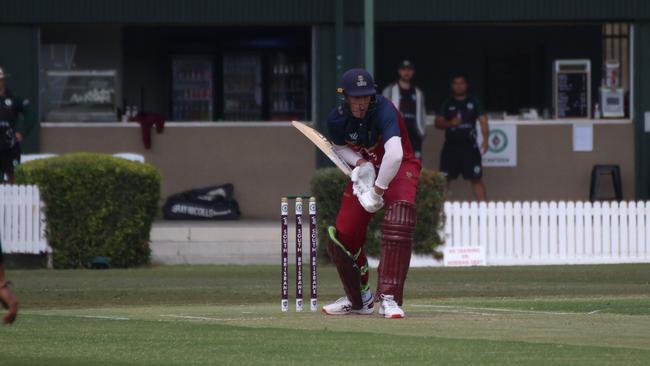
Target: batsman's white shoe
(389, 309)
(343, 306)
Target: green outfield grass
(222, 315)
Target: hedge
(95, 205)
(328, 184)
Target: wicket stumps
(313, 247)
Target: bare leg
(8, 300)
(479, 190)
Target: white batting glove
(371, 201)
(363, 178)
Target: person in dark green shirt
(7, 298)
(12, 128)
(461, 154)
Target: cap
(357, 83)
(2, 74)
(406, 64)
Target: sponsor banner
(502, 146)
(199, 211)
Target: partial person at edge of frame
(12, 129)
(7, 298)
(460, 152)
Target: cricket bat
(323, 145)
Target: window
(616, 43)
(615, 98)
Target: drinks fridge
(192, 88)
(250, 85)
(265, 85)
(288, 89)
(242, 87)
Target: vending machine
(192, 88)
(242, 86)
(289, 87)
(242, 82)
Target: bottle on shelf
(596, 111)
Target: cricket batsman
(369, 133)
(7, 298)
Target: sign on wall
(502, 146)
(572, 88)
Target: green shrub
(96, 205)
(328, 184)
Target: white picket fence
(22, 223)
(523, 233)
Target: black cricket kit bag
(210, 203)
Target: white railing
(519, 233)
(22, 222)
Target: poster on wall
(502, 146)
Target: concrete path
(221, 242)
(232, 242)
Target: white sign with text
(464, 256)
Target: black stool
(596, 172)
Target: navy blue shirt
(380, 124)
(468, 110)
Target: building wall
(149, 51)
(565, 174)
(312, 11)
(547, 167)
(509, 10)
(263, 163)
(266, 162)
(147, 65)
(168, 11)
(528, 51)
(642, 104)
(19, 58)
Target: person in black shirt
(460, 153)
(409, 100)
(12, 130)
